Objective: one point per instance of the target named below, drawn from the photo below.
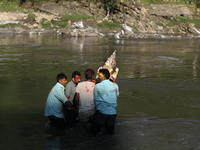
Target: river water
(158, 105)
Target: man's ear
(59, 80)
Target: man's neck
(74, 83)
(90, 80)
(103, 79)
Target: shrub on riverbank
(108, 24)
(9, 25)
(31, 15)
(47, 24)
(195, 21)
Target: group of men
(91, 102)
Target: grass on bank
(181, 19)
(8, 25)
(31, 15)
(172, 23)
(47, 24)
(10, 6)
(108, 24)
(195, 21)
(75, 17)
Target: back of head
(105, 72)
(61, 76)
(76, 73)
(89, 74)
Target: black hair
(105, 72)
(89, 73)
(61, 76)
(76, 73)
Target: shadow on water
(158, 105)
(139, 133)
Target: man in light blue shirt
(55, 101)
(105, 98)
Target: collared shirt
(70, 90)
(105, 97)
(55, 100)
(86, 98)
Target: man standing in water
(55, 101)
(105, 98)
(70, 94)
(84, 95)
(71, 86)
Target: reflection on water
(159, 91)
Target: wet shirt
(86, 98)
(55, 100)
(105, 97)
(70, 90)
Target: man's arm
(71, 106)
(95, 94)
(77, 97)
(67, 91)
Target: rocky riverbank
(126, 20)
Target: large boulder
(169, 10)
(83, 11)
(50, 7)
(70, 5)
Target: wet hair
(105, 72)
(61, 76)
(89, 73)
(76, 73)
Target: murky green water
(159, 82)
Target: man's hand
(71, 106)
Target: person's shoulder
(91, 83)
(58, 86)
(70, 83)
(81, 83)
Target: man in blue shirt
(55, 101)
(105, 98)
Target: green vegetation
(75, 17)
(181, 20)
(109, 24)
(31, 15)
(47, 24)
(8, 25)
(160, 24)
(172, 23)
(195, 21)
(62, 24)
(59, 23)
(10, 6)
(3, 26)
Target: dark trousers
(70, 117)
(58, 122)
(99, 120)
